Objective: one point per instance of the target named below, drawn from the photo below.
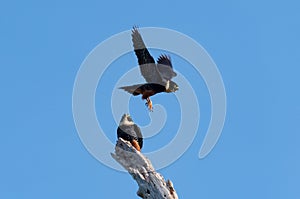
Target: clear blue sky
(255, 45)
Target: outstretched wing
(140, 49)
(165, 68)
(145, 60)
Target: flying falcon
(129, 131)
(157, 75)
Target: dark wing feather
(165, 68)
(139, 135)
(125, 133)
(145, 60)
(165, 60)
(140, 49)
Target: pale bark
(151, 184)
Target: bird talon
(150, 107)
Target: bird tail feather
(134, 89)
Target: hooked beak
(176, 88)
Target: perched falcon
(129, 131)
(157, 75)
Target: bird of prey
(129, 131)
(157, 75)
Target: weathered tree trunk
(151, 184)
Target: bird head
(126, 120)
(171, 86)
